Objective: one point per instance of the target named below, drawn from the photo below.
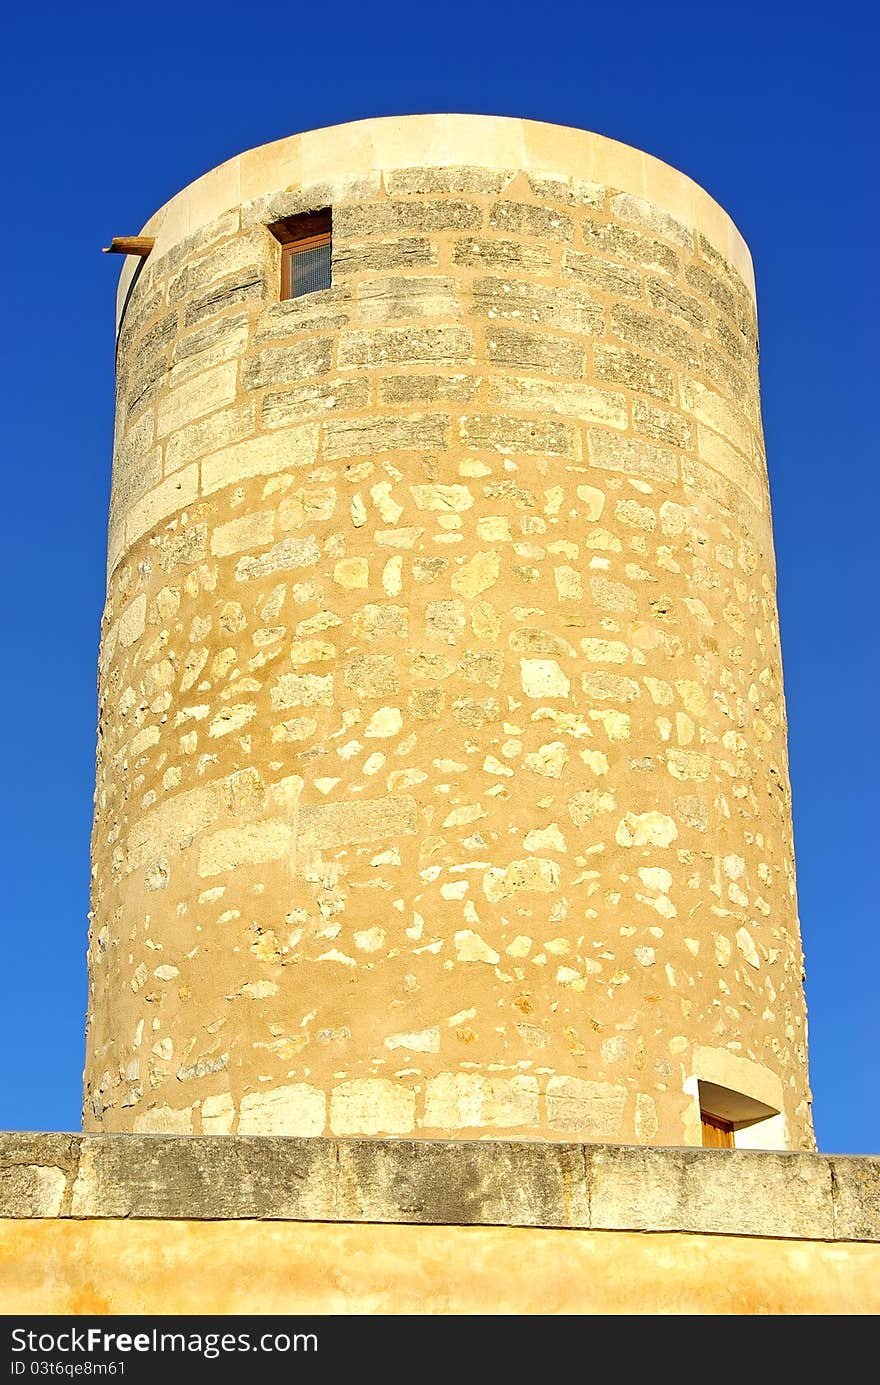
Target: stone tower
(442, 783)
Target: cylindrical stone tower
(442, 783)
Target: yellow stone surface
(241, 1267)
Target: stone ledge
(441, 1182)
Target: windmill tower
(442, 785)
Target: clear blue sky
(107, 111)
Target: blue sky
(105, 115)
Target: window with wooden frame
(733, 1120)
(305, 252)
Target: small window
(732, 1120)
(305, 252)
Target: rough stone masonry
(442, 786)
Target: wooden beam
(130, 245)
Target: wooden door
(717, 1133)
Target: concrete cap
(441, 1182)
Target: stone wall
(442, 781)
(146, 1224)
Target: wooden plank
(130, 245)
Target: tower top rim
(386, 144)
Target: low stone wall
(153, 1223)
(453, 1182)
